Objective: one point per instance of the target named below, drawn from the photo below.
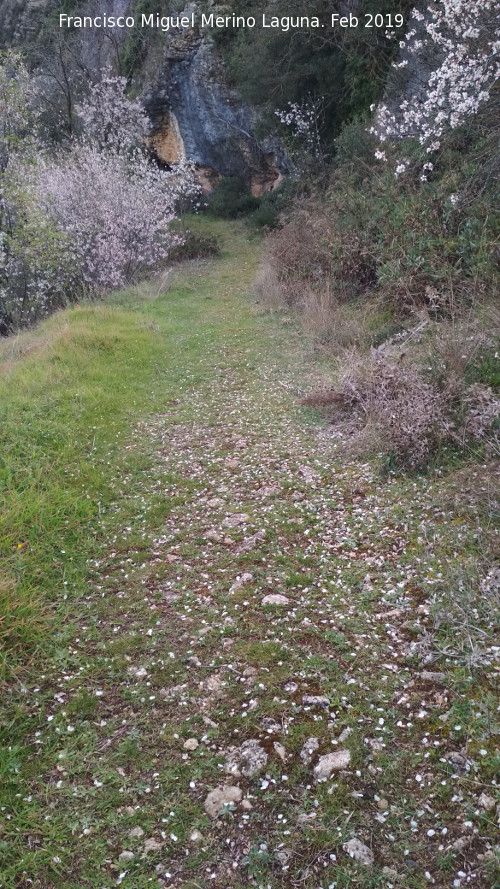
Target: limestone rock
(429, 676)
(280, 750)
(195, 836)
(241, 581)
(486, 802)
(250, 543)
(271, 726)
(275, 599)
(233, 521)
(227, 795)
(332, 762)
(246, 760)
(361, 853)
(308, 750)
(152, 845)
(320, 701)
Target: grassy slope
(129, 431)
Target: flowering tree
(465, 38)
(92, 216)
(303, 121)
(115, 210)
(110, 120)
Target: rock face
(21, 19)
(195, 114)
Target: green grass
(70, 391)
(129, 431)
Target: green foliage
(136, 42)
(345, 67)
(195, 245)
(273, 204)
(231, 198)
(426, 239)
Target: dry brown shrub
(267, 288)
(310, 249)
(302, 252)
(409, 413)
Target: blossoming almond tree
(464, 36)
(116, 211)
(302, 118)
(110, 120)
(103, 206)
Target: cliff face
(195, 113)
(21, 20)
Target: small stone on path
(432, 677)
(215, 502)
(486, 802)
(191, 744)
(195, 836)
(280, 750)
(240, 581)
(320, 701)
(275, 599)
(332, 762)
(361, 853)
(249, 671)
(136, 833)
(308, 750)
(232, 521)
(222, 796)
(250, 543)
(271, 726)
(152, 845)
(138, 672)
(126, 856)
(246, 760)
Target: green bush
(273, 204)
(195, 246)
(231, 198)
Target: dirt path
(253, 696)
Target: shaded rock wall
(21, 20)
(195, 113)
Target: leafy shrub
(273, 204)
(195, 246)
(231, 198)
(84, 220)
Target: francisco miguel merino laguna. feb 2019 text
(212, 21)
